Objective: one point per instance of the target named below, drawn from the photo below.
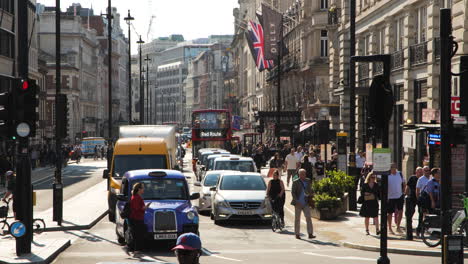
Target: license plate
(245, 212)
(165, 236)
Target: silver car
(210, 180)
(240, 196)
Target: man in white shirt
(360, 160)
(292, 164)
(396, 184)
(299, 154)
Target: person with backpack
(136, 218)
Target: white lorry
(165, 132)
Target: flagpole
(278, 95)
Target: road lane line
(335, 257)
(216, 256)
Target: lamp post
(109, 41)
(128, 19)
(147, 59)
(142, 89)
(143, 71)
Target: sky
(191, 18)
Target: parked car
(210, 180)
(243, 164)
(240, 196)
(171, 212)
(202, 161)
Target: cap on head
(188, 241)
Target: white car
(240, 196)
(210, 180)
(243, 164)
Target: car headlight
(190, 215)
(223, 203)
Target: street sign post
(382, 159)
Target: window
(8, 6)
(6, 44)
(323, 43)
(367, 45)
(323, 4)
(398, 92)
(448, 3)
(421, 24)
(400, 34)
(381, 41)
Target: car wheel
(217, 222)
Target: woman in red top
(137, 225)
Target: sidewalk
(80, 212)
(348, 230)
(36, 173)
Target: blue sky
(191, 18)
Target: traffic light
(6, 112)
(381, 101)
(26, 104)
(62, 121)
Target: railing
(363, 71)
(397, 60)
(334, 16)
(377, 68)
(418, 54)
(437, 48)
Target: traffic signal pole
(57, 213)
(23, 192)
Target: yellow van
(133, 154)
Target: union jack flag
(256, 44)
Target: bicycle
(276, 222)
(4, 225)
(431, 232)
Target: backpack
(127, 210)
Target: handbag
(360, 200)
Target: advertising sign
(382, 159)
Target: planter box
(333, 213)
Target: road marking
(334, 257)
(216, 256)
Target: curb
(75, 228)
(425, 253)
(55, 254)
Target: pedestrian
(276, 193)
(136, 219)
(95, 152)
(411, 200)
(370, 192)
(306, 165)
(301, 191)
(299, 154)
(276, 164)
(34, 158)
(103, 152)
(320, 168)
(188, 249)
(292, 164)
(422, 181)
(432, 188)
(396, 184)
(11, 189)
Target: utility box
(453, 249)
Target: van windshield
(236, 165)
(164, 189)
(124, 163)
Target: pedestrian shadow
(322, 243)
(91, 237)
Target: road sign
(382, 158)
(17, 229)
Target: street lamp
(147, 59)
(142, 89)
(128, 19)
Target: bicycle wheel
(274, 222)
(431, 236)
(38, 225)
(4, 228)
(464, 232)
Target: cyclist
(276, 193)
(11, 186)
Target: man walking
(396, 185)
(411, 200)
(422, 181)
(292, 164)
(301, 191)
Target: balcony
(437, 48)
(418, 54)
(397, 60)
(334, 16)
(363, 71)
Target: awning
(305, 125)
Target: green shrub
(326, 201)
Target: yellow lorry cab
(134, 154)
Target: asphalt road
(230, 243)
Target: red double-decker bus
(211, 129)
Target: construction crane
(150, 8)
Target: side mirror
(105, 174)
(213, 189)
(122, 197)
(198, 184)
(194, 196)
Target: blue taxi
(171, 212)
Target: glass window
(6, 44)
(211, 179)
(399, 34)
(124, 163)
(323, 4)
(242, 182)
(164, 189)
(421, 28)
(323, 43)
(236, 165)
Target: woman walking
(276, 193)
(370, 205)
(137, 225)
